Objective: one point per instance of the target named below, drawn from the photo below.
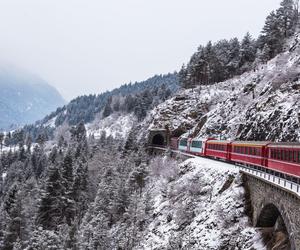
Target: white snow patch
(51, 123)
(4, 176)
(116, 125)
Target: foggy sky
(89, 46)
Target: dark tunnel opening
(158, 140)
(273, 228)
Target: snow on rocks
(202, 208)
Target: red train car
(250, 152)
(284, 158)
(218, 149)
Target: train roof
(218, 142)
(198, 139)
(250, 143)
(284, 145)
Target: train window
(295, 156)
(197, 144)
(183, 142)
(291, 156)
(286, 153)
(279, 155)
(298, 156)
(272, 154)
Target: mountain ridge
(25, 98)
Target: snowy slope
(116, 125)
(258, 105)
(201, 209)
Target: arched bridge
(275, 207)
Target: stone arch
(268, 216)
(272, 216)
(158, 140)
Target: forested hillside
(219, 61)
(148, 93)
(136, 98)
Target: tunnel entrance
(268, 216)
(158, 140)
(273, 228)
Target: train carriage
(284, 158)
(250, 152)
(197, 146)
(183, 144)
(218, 149)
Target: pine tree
(234, 57)
(2, 136)
(287, 16)
(67, 183)
(107, 109)
(13, 209)
(51, 207)
(247, 52)
(272, 34)
(264, 56)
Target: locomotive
(282, 159)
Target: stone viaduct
(275, 206)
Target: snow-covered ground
(202, 208)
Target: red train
(280, 158)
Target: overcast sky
(89, 46)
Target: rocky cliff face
(259, 105)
